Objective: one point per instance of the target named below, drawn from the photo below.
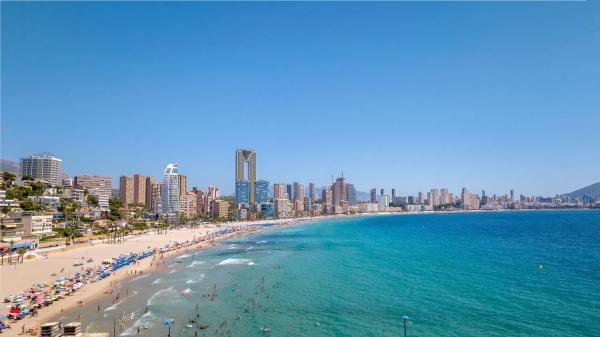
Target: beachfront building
(169, 193)
(148, 195)
(220, 208)
(266, 210)
(327, 199)
(11, 227)
(368, 207)
(262, 191)
(384, 202)
(279, 191)
(36, 225)
(339, 191)
(11, 204)
(281, 208)
(242, 192)
(312, 192)
(100, 187)
(187, 204)
(245, 171)
(43, 166)
(373, 195)
(351, 194)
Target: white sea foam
(200, 278)
(160, 293)
(157, 281)
(231, 261)
(183, 256)
(172, 271)
(114, 306)
(146, 320)
(140, 277)
(195, 263)
(232, 246)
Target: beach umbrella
(169, 322)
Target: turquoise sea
(522, 273)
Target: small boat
(265, 329)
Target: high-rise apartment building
(420, 198)
(182, 184)
(169, 192)
(298, 192)
(434, 197)
(139, 189)
(132, 190)
(100, 187)
(242, 192)
(126, 190)
(245, 162)
(373, 195)
(393, 195)
(261, 192)
(339, 191)
(327, 199)
(290, 192)
(312, 192)
(351, 194)
(444, 196)
(279, 191)
(187, 204)
(281, 208)
(43, 166)
(220, 208)
(148, 202)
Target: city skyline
(501, 109)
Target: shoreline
(101, 289)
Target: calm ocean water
(474, 274)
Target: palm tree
(21, 251)
(10, 251)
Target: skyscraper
(100, 187)
(444, 196)
(298, 192)
(262, 191)
(351, 194)
(393, 195)
(464, 197)
(43, 166)
(126, 190)
(279, 191)
(290, 192)
(373, 195)
(149, 186)
(339, 191)
(245, 162)
(139, 189)
(182, 184)
(169, 192)
(242, 192)
(312, 192)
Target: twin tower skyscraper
(245, 176)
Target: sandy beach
(47, 267)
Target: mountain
(590, 191)
(9, 166)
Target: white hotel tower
(169, 193)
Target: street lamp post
(406, 322)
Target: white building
(368, 207)
(43, 166)
(281, 208)
(169, 192)
(384, 202)
(37, 225)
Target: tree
(28, 177)
(8, 177)
(5, 209)
(92, 200)
(21, 252)
(10, 251)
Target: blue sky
(405, 95)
